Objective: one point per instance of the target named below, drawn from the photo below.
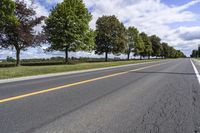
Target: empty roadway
(157, 97)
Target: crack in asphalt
(172, 109)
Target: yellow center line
(73, 84)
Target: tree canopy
(130, 38)
(147, 45)
(165, 49)
(110, 36)
(7, 12)
(138, 42)
(196, 52)
(156, 45)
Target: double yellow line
(73, 84)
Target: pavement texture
(157, 97)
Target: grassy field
(13, 72)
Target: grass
(14, 72)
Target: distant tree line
(67, 29)
(195, 53)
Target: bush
(10, 59)
(7, 64)
(54, 61)
(42, 63)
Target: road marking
(73, 84)
(196, 71)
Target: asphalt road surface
(158, 97)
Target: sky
(176, 22)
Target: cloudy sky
(175, 21)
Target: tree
(138, 43)
(161, 51)
(179, 54)
(22, 35)
(89, 41)
(67, 26)
(156, 45)
(110, 36)
(194, 54)
(165, 50)
(10, 59)
(147, 44)
(130, 41)
(198, 51)
(172, 52)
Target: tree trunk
(128, 56)
(106, 56)
(17, 57)
(66, 55)
(140, 57)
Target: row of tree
(195, 53)
(67, 29)
(113, 37)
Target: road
(157, 97)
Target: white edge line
(196, 71)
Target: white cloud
(150, 16)
(143, 13)
(41, 10)
(189, 33)
(38, 7)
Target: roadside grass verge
(14, 72)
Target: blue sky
(195, 9)
(176, 22)
(175, 2)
